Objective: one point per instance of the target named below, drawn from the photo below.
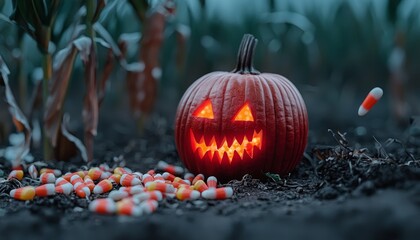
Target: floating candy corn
(175, 170)
(23, 193)
(218, 193)
(45, 190)
(212, 182)
(33, 172)
(18, 174)
(103, 206)
(129, 180)
(371, 99)
(187, 194)
(103, 187)
(47, 178)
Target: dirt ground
(351, 187)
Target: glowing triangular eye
(244, 114)
(205, 110)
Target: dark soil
(353, 187)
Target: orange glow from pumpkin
(205, 110)
(240, 146)
(244, 114)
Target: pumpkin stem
(244, 63)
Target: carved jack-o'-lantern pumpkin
(232, 123)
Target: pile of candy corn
(121, 191)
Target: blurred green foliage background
(334, 51)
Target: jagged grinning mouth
(240, 146)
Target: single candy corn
(200, 186)
(371, 99)
(89, 182)
(47, 177)
(217, 193)
(56, 172)
(95, 173)
(159, 186)
(129, 180)
(64, 188)
(198, 177)
(118, 195)
(168, 176)
(60, 181)
(82, 190)
(120, 170)
(45, 190)
(128, 208)
(155, 195)
(132, 190)
(115, 178)
(23, 193)
(103, 187)
(33, 172)
(158, 178)
(103, 206)
(67, 176)
(76, 179)
(147, 178)
(212, 182)
(18, 174)
(187, 194)
(181, 181)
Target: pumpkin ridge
(295, 117)
(267, 93)
(303, 125)
(280, 113)
(302, 116)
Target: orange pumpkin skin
(243, 122)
